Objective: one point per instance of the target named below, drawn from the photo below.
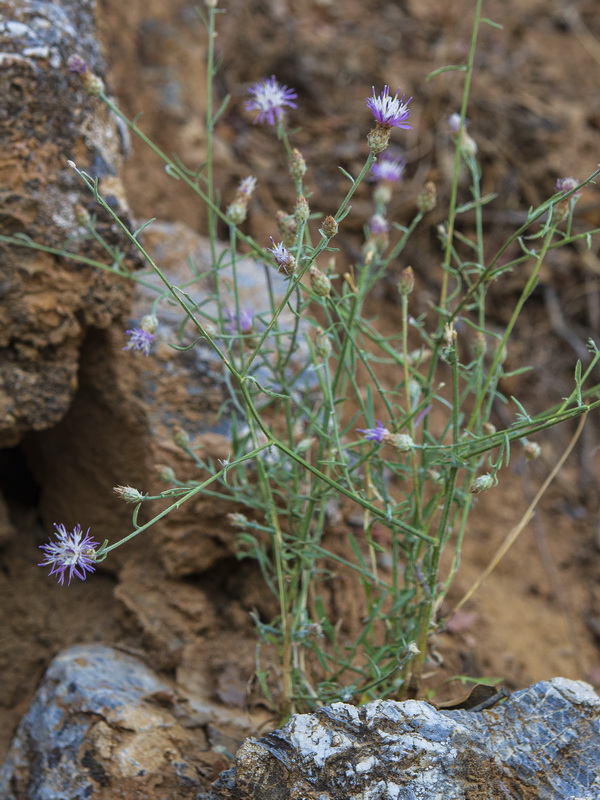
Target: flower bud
(427, 199)
(323, 344)
(320, 283)
(489, 428)
(379, 138)
(479, 344)
(92, 83)
(297, 165)
(82, 216)
(149, 323)
(407, 281)
(532, 450)
(129, 494)
(482, 483)
(165, 474)
(302, 211)
(329, 227)
(401, 441)
(238, 520)
(181, 438)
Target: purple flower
(391, 112)
(244, 324)
(285, 261)
(247, 186)
(139, 339)
(388, 169)
(77, 65)
(74, 552)
(566, 184)
(454, 122)
(379, 224)
(269, 98)
(376, 434)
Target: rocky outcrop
(543, 743)
(50, 304)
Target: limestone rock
(543, 743)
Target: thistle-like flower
(243, 324)
(388, 169)
(390, 112)
(74, 552)
(129, 494)
(376, 434)
(269, 98)
(286, 263)
(238, 209)
(76, 64)
(139, 339)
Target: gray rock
(102, 725)
(542, 743)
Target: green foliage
(312, 370)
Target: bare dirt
(534, 114)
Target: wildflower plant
(396, 427)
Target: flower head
(242, 324)
(376, 434)
(268, 98)
(238, 209)
(391, 112)
(378, 224)
(566, 184)
(285, 261)
(247, 186)
(139, 339)
(73, 552)
(76, 64)
(388, 169)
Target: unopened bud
(401, 441)
(329, 227)
(149, 323)
(383, 193)
(92, 83)
(379, 138)
(427, 199)
(323, 344)
(489, 428)
(165, 474)
(238, 520)
(320, 283)
(129, 494)
(479, 344)
(532, 450)
(482, 483)
(82, 216)
(302, 211)
(209, 329)
(181, 438)
(297, 165)
(449, 335)
(407, 281)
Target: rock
(543, 743)
(103, 725)
(49, 304)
